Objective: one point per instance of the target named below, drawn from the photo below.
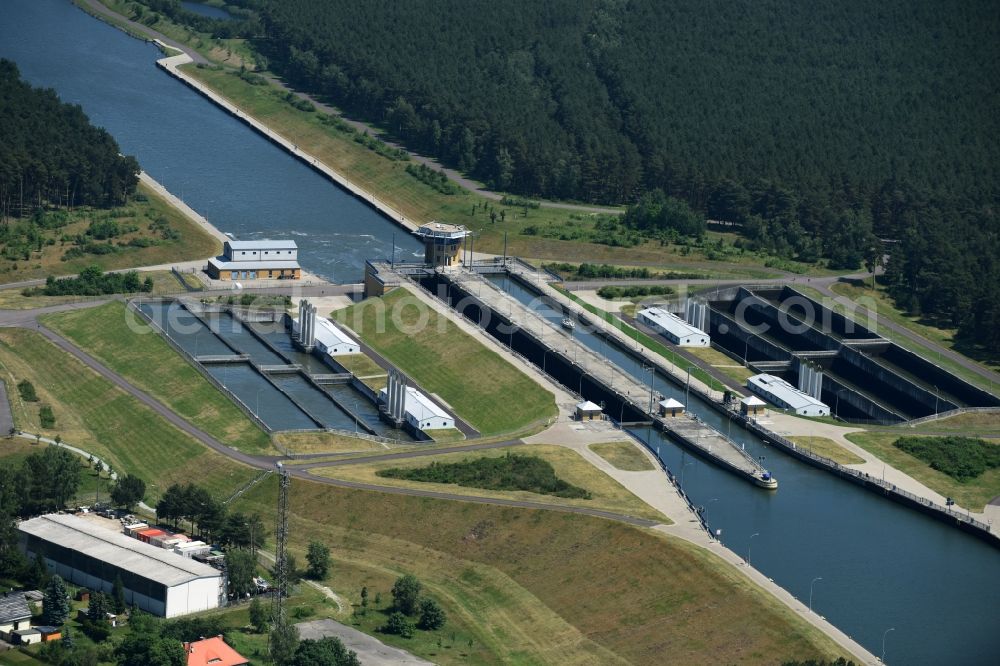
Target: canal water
(882, 566)
(238, 180)
(225, 335)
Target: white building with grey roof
(156, 580)
(674, 328)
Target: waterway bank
(172, 64)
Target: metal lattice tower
(278, 617)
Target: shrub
(398, 624)
(27, 391)
(509, 472)
(432, 616)
(45, 417)
(962, 458)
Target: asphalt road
(6, 419)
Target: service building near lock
(674, 328)
(155, 580)
(256, 260)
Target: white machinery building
(781, 394)
(328, 337)
(674, 328)
(156, 580)
(421, 412)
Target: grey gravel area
(371, 651)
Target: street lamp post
(682, 472)
(687, 387)
(811, 591)
(749, 543)
(884, 634)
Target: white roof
(262, 245)
(781, 389)
(419, 406)
(256, 264)
(671, 322)
(588, 406)
(442, 230)
(753, 401)
(330, 335)
(143, 559)
(670, 403)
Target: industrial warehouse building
(420, 411)
(156, 580)
(674, 328)
(256, 260)
(780, 393)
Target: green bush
(633, 291)
(45, 417)
(510, 472)
(27, 391)
(962, 458)
(398, 624)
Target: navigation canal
(882, 566)
(223, 169)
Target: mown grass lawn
(624, 455)
(94, 415)
(132, 349)
(826, 447)
(973, 494)
(482, 387)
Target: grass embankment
(973, 494)
(645, 340)
(173, 237)
(724, 364)
(365, 369)
(164, 282)
(94, 415)
(826, 447)
(131, 348)
(879, 301)
(482, 387)
(546, 587)
(623, 455)
(606, 493)
(324, 442)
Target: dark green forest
(841, 131)
(50, 154)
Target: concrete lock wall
(572, 376)
(900, 393)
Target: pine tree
(56, 602)
(118, 595)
